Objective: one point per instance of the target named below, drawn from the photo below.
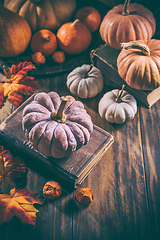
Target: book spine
(112, 78)
(36, 160)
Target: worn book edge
(113, 79)
(74, 181)
(94, 162)
(22, 147)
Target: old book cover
(105, 58)
(70, 171)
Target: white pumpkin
(117, 106)
(85, 81)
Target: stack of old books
(105, 58)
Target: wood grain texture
(71, 169)
(54, 220)
(150, 131)
(120, 205)
(125, 185)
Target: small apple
(90, 17)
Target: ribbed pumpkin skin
(85, 81)
(117, 112)
(42, 14)
(116, 28)
(140, 71)
(50, 137)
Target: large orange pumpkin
(128, 22)
(139, 64)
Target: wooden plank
(54, 83)
(120, 208)
(155, 220)
(72, 169)
(150, 130)
(54, 220)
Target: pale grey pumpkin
(85, 81)
(116, 107)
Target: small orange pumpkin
(139, 64)
(125, 23)
(90, 17)
(74, 37)
(44, 41)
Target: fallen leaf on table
(20, 204)
(10, 167)
(19, 70)
(18, 83)
(15, 92)
(1, 95)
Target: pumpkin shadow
(72, 205)
(93, 102)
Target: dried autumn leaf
(1, 94)
(15, 92)
(10, 167)
(18, 70)
(18, 82)
(20, 204)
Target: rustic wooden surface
(125, 183)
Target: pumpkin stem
(87, 12)
(48, 39)
(125, 8)
(136, 45)
(85, 75)
(90, 11)
(76, 22)
(60, 116)
(118, 99)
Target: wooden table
(125, 183)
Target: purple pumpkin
(56, 126)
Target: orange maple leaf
(20, 204)
(10, 167)
(1, 95)
(18, 83)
